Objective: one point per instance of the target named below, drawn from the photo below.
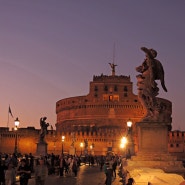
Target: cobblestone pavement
(87, 175)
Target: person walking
(101, 162)
(74, 166)
(2, 172)
(24, 172)
(61, 165)
(130, 181)
(41, 172)
(108, 170)
(10, 175)
(114, 165)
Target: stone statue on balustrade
(86, 146)
(157, 109)
(44, 127)
(42, 145)
(73, 139)
(72, 150)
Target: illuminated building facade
(105, 110)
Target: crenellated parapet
(111, 78)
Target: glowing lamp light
(122, 145)
(124, 140)
(129, 123)
(16, 122)
(63, 138)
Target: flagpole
(9, 112)
(8, 119)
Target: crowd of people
(14, 168)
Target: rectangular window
(110, 98)
(107, 97)
(116, 97)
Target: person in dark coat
(130, 181)
(2, 173)
(25, 172)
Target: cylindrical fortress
(110, 103)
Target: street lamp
(123, 143)
(91, 147)
(129, 126)
(81, 146)
(63, 138)
(16, 123)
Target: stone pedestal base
(72, 150)
(153, 149)
(153, 137)
(86, 152)
(41, 148)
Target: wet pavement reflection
(87, 175)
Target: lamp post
(81, 146)
(91, 147)
(123, 143)
(129, 126)
(16, 123)
(63, 138)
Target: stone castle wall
(102, 140)
(27, 142)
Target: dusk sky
(50, 50)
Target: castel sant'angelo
(101, 116)
(109, 105)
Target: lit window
(105, 97)
(116, 98)
(110, 98)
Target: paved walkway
(87, 175)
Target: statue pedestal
(153, 137)
(85, 151)
(42, 148)
(72, 150)
(153, 149)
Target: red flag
(10, 112)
